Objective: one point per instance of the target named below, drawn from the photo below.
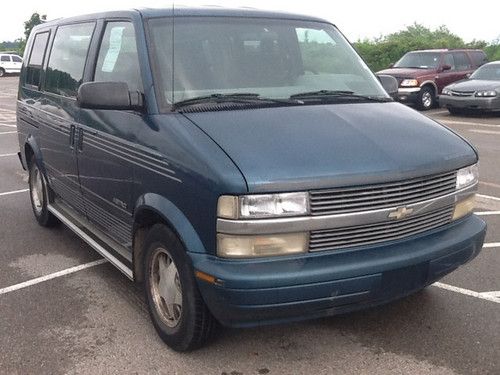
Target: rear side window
(461, 61)
(449, 60)
(5, 58)
(118, 60)
(67, 59)
(16, 59)
(478, 58)
(35, 62)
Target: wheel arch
(31, 149)
(430, 84)
(153, 208)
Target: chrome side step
(91, 241)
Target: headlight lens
(486, 94)
(231, 246)
(261, 206)
(467, 176)
(409, 83)
(463, 208)
(446, 92)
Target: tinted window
(449, 60)
(38, 50)
(36, 59)
(118, 60)
(67, 59)
(423, 60)
(461, 61)
(5, 58)
(16, 59)
(478, 57)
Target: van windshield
(268, 58)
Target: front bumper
(264, 291)
(408, 94)
(470, 102)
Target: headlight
(261, 206)
(446, 92)
(467, 176)
(231, 246)
(486, 94)
(409, 83)
(463, 208)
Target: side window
(449, 60)
(67, 59)
(478, 58)
(36, 59)
(5, 58)
(17, 59)
(118, 60)
(461, 61)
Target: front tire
(426, 98)
(2, 72)
(39, 195)
(176, 307)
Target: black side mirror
(389, 83)
(108, 95)
(446, 67)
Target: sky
(356, 19)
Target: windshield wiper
(239, 97)
(337, 94)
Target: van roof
(209, 11)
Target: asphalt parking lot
(92, 319)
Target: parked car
(481, 92)
(223, 163)
(423, 74)
(10, 63)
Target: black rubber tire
(197, 325)
(2, 72)
(426, 93)
(45, 218)
(456, 111)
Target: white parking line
(491, 244)
(483, 213)
(451, 122)
(484, 131)
(495, 294)
(13, 192)
(488, 197)
(467, 292)
(7, 133)
(5, 155)
(8, 125)
(51, 276)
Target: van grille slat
(332, 239)
(363, 198)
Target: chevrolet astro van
(245, 167)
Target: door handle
(80, 140)
(72, 131)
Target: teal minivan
(245, 167)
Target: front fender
(172, 215)
(32, 143)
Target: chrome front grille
(462, 93)
(339, 238)
(373, 197)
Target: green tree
(35, 19)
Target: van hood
(321, 146)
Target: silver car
(480, 92)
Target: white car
(10, 63)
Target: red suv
(423, 74)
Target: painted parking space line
(452, 122)
(482, 213)
(2, 133)
(491, 245)
(6, 155)
(51, 276)
(8, 125)
(492, 184)
(488, 197)
(467, 292)
(13, 192)
(495, 294)
(484, 131)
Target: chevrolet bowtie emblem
(400, 213)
